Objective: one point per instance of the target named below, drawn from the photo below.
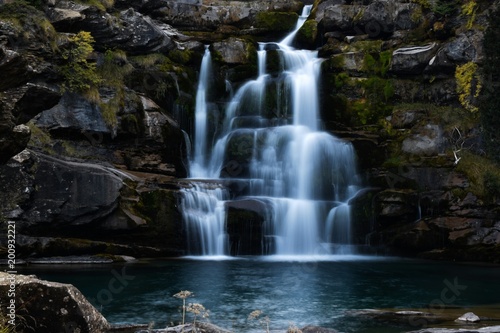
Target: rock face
(50, 306)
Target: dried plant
(183, 295)
(255, 314)
(292, 328)
(197, 309)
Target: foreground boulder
(50, 306)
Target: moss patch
(483, 174)
(276, 21)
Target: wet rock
(51, 307)
(396, 206)
(245, 219)
(469, 317)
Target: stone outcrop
(50, 307)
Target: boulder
(59, 193)
(469, 317)
(464, 48)
(14, 68)
(233, 51)
(51, 307)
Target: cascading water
(271, 137)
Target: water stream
(271, 137)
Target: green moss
(40, 139)
(333, 63)
(483, 175)
(276, 21)
(114, 68)
(308, 33)
(181, 56)
(102, 5)
(149, 61)
(29, 22)
(377, 63)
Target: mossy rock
(307, 35)
(276, 21)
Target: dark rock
(396, 206)
(245, 219)
(63, 193)
(51, 307)
(74, 114)
(193, 15)
(377, 19)
(462, 49)
(233, 51)
(14, 68)
(129, 31)
(36, 98)
(413, 59)
(13, 142)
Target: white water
(198, 165)
(305, 176)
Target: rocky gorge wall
(93, 126)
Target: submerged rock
(469, 317)
(51, 307)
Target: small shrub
(79, 74)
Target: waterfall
(271, 138)
(198, 164)
(202, 208)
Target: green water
(305, 292)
